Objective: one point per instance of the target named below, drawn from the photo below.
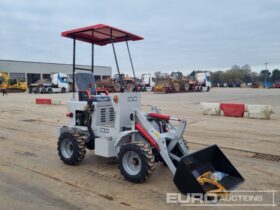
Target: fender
(123, 137)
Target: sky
(178, 35)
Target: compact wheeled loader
(114, 126)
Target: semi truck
(147, 82)
(201, 81)
(58, 83)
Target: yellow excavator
(12, 85)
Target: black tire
(78, 148)
(49, 90)
(63, 90)
(186, 87)
(90, 144)
(176, 86)
(146, 157)
(117, 87)
(130, 87)
(34, 90)
(43, 90)
(208, 88)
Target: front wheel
(136, 161)
(186, 87)
(71, 148)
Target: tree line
(244, 74)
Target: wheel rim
(67, 148)
(176, 86)
(186, 87)
(129, 87)
(132, 163)
(117, 87)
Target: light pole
(266, 72)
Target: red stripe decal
(146, 135)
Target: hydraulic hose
(88, 114)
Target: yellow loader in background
(12, 85)
(174, 83)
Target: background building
(33, 71)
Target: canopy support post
(117, 64)
(92, 58)
(92, 54)
(74, 66)
(131, 61)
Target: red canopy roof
(100, 34)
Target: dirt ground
(33, 177)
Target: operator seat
(85, 84)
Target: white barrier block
(211, 108)
(259, 111)
(56, 102)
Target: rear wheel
(117, 87)
(130, 87)
(186, 87)
(176, 86)
(63, 90)
(43, 90)
(136, 161)
(71, 148)
(49, 90)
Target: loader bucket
(200, 162)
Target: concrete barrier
(233, 110)
(259, 111)
(211, 108)
(237, 110)
(43, 101)
(56, 102)
(47, 101)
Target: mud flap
(195, 164)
